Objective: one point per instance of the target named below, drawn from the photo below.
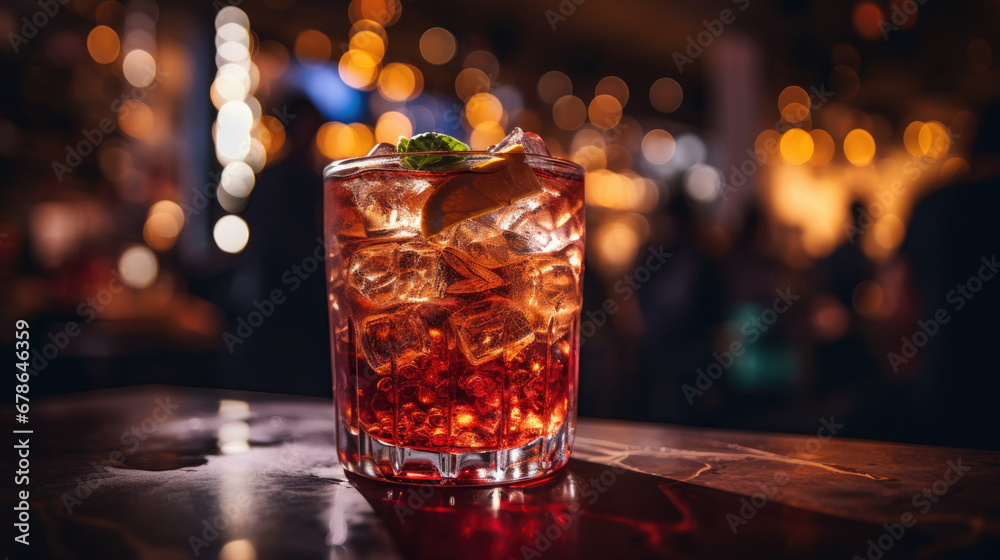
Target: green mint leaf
(431, 142)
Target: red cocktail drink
(454, 295)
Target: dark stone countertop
(167, 472)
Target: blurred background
(792, 206)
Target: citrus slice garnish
(492, 184)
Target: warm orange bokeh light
(337, 140)
(867, 19)
(396, 82)
(666, 95)
(794, 113)
(613, 86)
(553, 85)
(313, 46)
(483, 108)
(767, 147)
(370, 42)
(859, 147)
(103, 44)
(471, 81)
(794, 94)
(485, 134)
(796, 146)
(569, 112)
(605, 111)
(391, 126)
(136, 119)
(358, 69)
(437, 45)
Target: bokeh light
(616, 244)
(485, 134)
(400, 82)
(163, 224)
(859, 147)
(337, 140)
(613, 86)
(867, 298)
(793, 95)
(358, 69)
(933, 139)
(385, 12)
(702, 182)
(471, 81)
(312, 46)
(437, 45)
(666, 95)
(867, 19)
(591, 158)
(553, 85)
(953, 169)
(605, 111)
(137, 267)
(160, 232)
(658, 146)
(136, 119)
(796, 146)
(794, 113)
(237, 179)
(911, 138)
(391, 125)
(370, 42)
(139, 68)
(103, 44)
(235, 115)
(888, 231)
(231, 234)
(483, 60)
(483, 107)
(569, 112)
(232, 14)
(767, 147)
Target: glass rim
(361, 161)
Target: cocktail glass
(454, 295)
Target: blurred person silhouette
(950, 253)
(290, 351)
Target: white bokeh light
(231, 233)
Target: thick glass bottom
(367, 456)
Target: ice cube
(389, 203)
(491, 328)
(370, 271)
(394, 338)
(533, 143)
(484, 243)
(419, 270)
(390, 273)
(543, 223)
(550, 295)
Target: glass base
(367, 456)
